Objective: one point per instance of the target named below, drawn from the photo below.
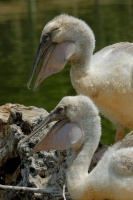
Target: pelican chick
(79, 128)
(106, 77)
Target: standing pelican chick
(79, 128)
(106, 77)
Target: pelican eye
(61, 109)
(46, 37)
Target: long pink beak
(63, 135)
(44, 49)
(55, 56)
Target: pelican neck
(77, 172)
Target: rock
(42, 170)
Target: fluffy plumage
(112, 178)
(106, 77)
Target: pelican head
(59, 43)
(68, 131)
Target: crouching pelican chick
(79, 128)
(106, 77)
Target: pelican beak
(53, 116)
(63, 135)
(48, 142)
(44, 49)
(45, 143)
(55, 56)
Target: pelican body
(79, 128)
(106, 77)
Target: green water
(21, 23)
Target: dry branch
(35, 190)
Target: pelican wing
(123, 161)
(127, 141)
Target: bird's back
(113, 175)
(111, 51)
(112, 70)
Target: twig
(64, 197)
(27, 189)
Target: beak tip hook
(28, 84)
